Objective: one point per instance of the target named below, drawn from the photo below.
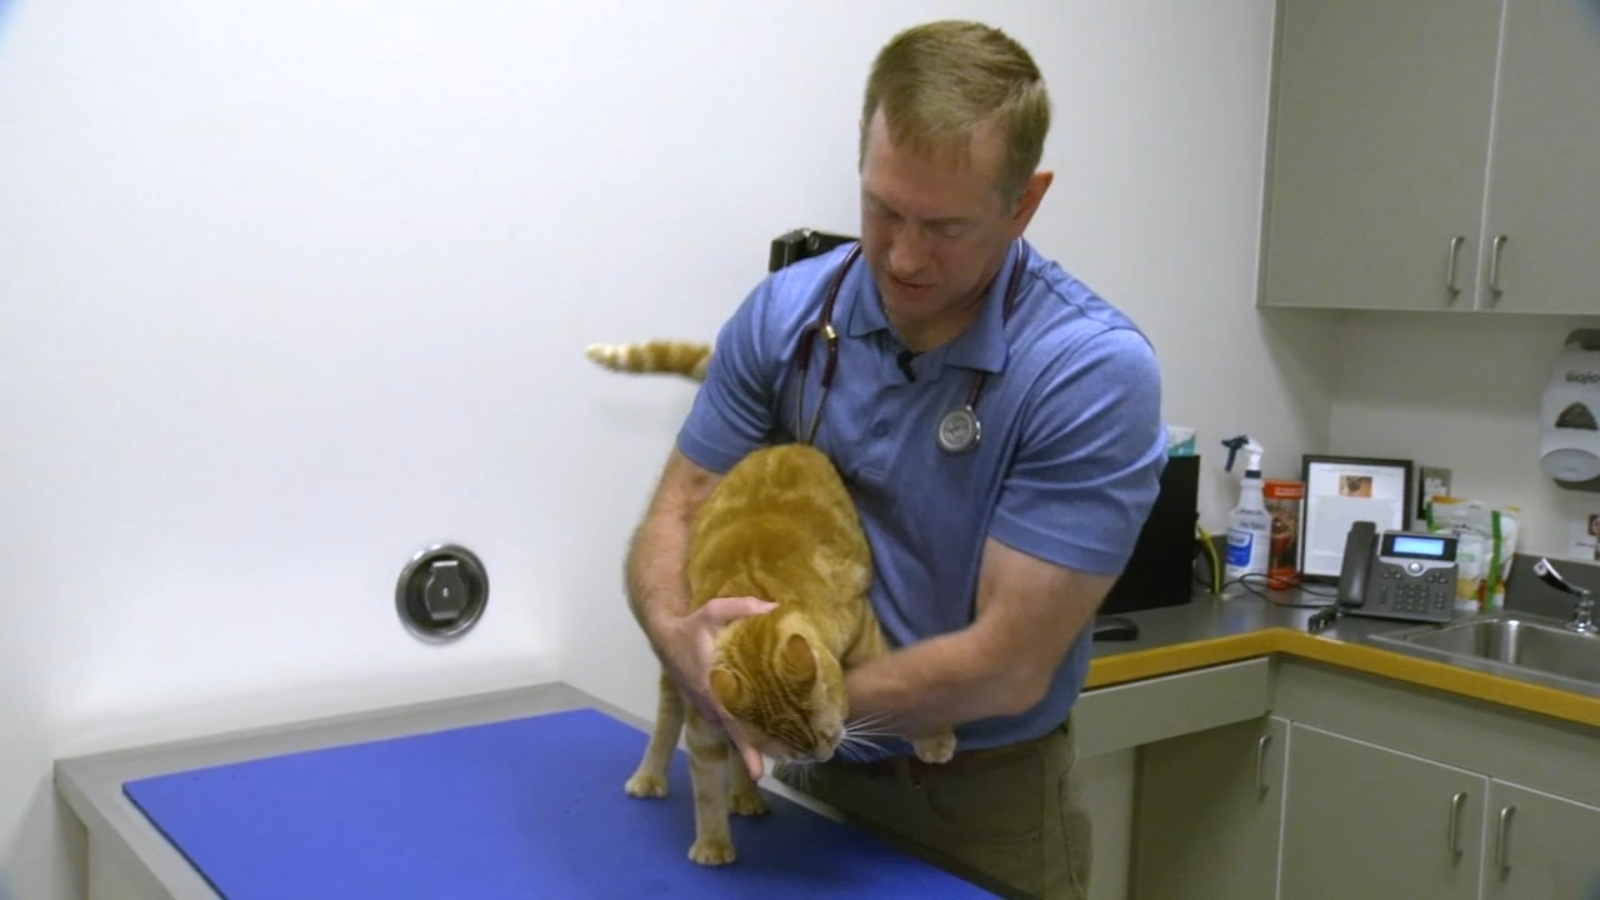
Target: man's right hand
(685, 645)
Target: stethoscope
(959, 429)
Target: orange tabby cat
(779, 526)
(686, 358)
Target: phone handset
(1360, 549)
(1360, 546)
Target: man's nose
(909, 253)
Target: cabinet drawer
(1127, 715)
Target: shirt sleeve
(732, 413)
(1089, 464)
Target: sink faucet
(1582, 614)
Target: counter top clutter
(1231, 704)
(1211, 630)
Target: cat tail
(686, 358)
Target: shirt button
(880, 430)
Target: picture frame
(1340, 490)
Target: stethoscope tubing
(959, 429)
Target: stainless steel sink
(1509, 643)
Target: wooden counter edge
(1536, 698)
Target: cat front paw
(646, 784)
(712, 851)
(936, 748)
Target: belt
(916, 771)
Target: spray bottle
(1249, 524)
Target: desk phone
(1398, 574)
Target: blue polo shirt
(1068, 467)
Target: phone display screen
(1418, 546)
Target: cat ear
(798, 660)
(727, 688)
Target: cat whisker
(872, 736)
(857, 745)
(872, 725)
(854, 752)
(867, 721)
(855, 735)
(799, 773)
(869, 734)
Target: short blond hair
(939, 82)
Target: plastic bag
(1486, 539)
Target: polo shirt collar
(982, 346)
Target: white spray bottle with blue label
(1249, 524)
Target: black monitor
(801, 243)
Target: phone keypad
(1428, 594)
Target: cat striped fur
(780, 525)
(673, 357)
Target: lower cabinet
(1363, 821)
(1209, 812)
(1271, 808)
(1538, 846)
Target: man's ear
(1028, 201)
(728, 688)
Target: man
(995, 536)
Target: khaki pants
(1012, 819)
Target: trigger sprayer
(1252, 450)
(1249, 523)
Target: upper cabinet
(1435, 155)
(1544, 162)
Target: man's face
(935, 231)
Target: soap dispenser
(1569, 438)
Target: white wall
(290, 292)
(1461, 392)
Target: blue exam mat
(527, 808)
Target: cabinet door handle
(1453, 844)
(1450, 267)
(1261, 765)
(1494, 268)
(1500, 840)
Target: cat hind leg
(650, 778)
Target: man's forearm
(654, 574)
(1029, 615)
(936, 683)
(657, 585)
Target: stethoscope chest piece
(959, 430)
